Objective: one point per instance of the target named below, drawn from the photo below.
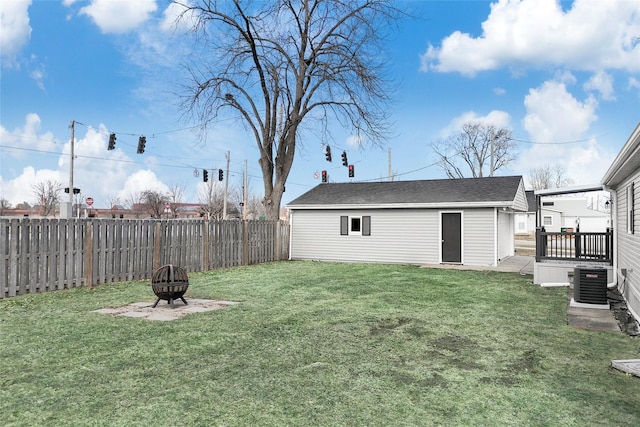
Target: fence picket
(39, 255)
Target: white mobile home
(623, 181)
(458, 221)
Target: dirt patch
(163, 311)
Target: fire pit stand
(169, 283)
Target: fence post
(88, 255)
(157, 242)
(278, 241)
(205, 243)
(245, 242)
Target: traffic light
(351, 171)
(344, 159)
(112, 142)
(220, 175)
(328, 153)
(205, 175)
(324, 176)
(142, 141)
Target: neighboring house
(525, 223)
(460, 221)
(566, 213)
(561, 213)
(623, 181)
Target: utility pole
(389, 162)
(226, 188)
(492, 138)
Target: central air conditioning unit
(590, 285)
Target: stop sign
(89, 201)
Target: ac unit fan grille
(590, 286)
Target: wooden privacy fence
(40, 255)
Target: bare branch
(284, 66)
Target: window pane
(355, 224)
(547, 220)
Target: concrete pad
(592, 319)
(133, 314)
(141, 304)
(163, 317)
(108, 311)
(163, 311)
(574, 303)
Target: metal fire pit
(169, 283)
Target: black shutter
(344, 225)
(366, 226)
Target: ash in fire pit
(169, 283)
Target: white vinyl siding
(506, 244)
(628, 247)
(520, 200)
(479, 236)
(630, 208)
(407, 236)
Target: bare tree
(47, 195)
(549, 176)
(113, 201)
(282, 64)
(255, 208)
(4, 206)
(211, 197)
(175, 196)
(153, 202)
(467, 152)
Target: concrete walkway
(514, 264)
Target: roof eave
(630, 153)
(442, 205)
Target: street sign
(89, 201)
(167, 205)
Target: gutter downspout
(613, 214)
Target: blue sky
(561, 75)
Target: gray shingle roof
(425, 192)
(531, 200)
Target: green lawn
(316, 344)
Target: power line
(553, 143)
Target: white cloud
(499, 91)
(558, 125)
(356, 141)
(172, 18)
(497, 118)
(633, 83)
(553, 114)
(27, 138)
(602, 83)
(140, 181)
(119, 16)
(538, 33)
(38, 75)
(98, 173)
(15, 30)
